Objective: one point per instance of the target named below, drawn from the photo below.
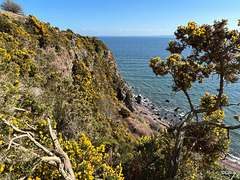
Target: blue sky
(130, 17)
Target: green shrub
(125, 113)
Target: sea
(132, 56)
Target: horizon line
(131, 35)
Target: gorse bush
(214, 50)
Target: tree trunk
(173, 164)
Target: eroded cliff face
(75, 76)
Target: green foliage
(148, 158)
(212, 42)
(216, 138)
(125, 113)
(5, 25)
(212, 141)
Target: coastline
(230, 165)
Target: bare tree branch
(29, 135)
(19, 109)
(238, 104)
(12, 126)
(39, 145)
(204, 123)
(60, 159)
(189, 100)
(11, 141)
(31, 127)
(49, 160)
(65, 167)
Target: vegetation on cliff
(70, 80)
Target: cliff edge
(74, 78)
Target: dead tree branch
(58, 159)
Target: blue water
(132, 55)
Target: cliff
(71, 77)
(71, 81)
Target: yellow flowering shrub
(87, 160)
(208, 101)
(212, 140)
(148, 159)
(184, 73)
(13, 55)
(213, 50)
(21, 44)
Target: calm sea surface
(132, 55)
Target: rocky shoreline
(158, 114)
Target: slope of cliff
(72, 81)
(61, 74)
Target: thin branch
(23, 149)
(196, 116)
(203, 123)
(206, 110)
(213, 108)
(22, 178)
(60, 160)
(31, 127)
(189, 100)
(11, 125)
(189, 152)
(51, 160)
(221, 85)
(11, 141)
(53, 135)
(189, 117)
(39, 145)
(185, 115)
(238, 104)
(19, 109)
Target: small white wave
(233, 158)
